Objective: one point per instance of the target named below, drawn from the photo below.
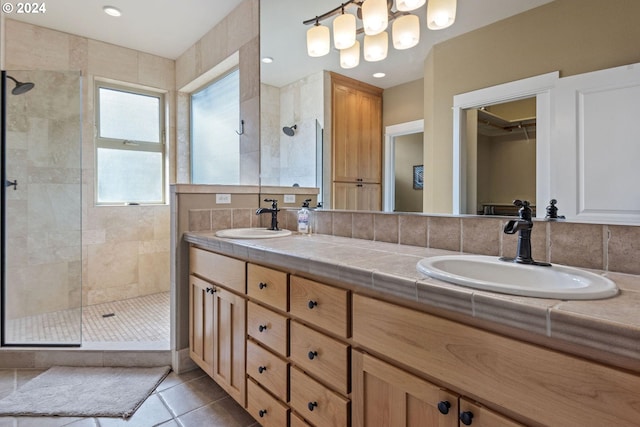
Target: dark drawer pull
(444, 406)
(211, 290)
(312, 405)
(261, 369)
(262, 285)
(262, 413)
(312, 355)
(466, 417)
(311, 304)
(262, 328)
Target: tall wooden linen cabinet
(357, 144)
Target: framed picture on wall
(418, 173)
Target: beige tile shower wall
(237, 32)
(125, 249)
(595, 246)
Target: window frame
(131, 145)
(216, 79)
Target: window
(130, 164)
(215, 144)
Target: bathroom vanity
(329, 331)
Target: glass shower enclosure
(41, 208)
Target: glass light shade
(344, 31)
(376, 47)
(441, 13)
(375, 16)
(350, 57)
(408, 5)
(318, 41)
(406, 32)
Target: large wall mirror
(294, 87)
(498, 51)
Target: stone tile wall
(594, 246)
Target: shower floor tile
(136, 320)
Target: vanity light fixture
(375, 16)
(318, 40)
(441, 14)
(350, 57)
(112, 11)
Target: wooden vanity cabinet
(384, 395)
(535, 384)
(217, 333)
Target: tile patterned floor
(142, 319)
(188, 400)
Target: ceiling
(168, 28)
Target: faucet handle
(274, 203)
(525, 211)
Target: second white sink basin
(252, 233)
(491, 274)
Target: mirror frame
(538, 86)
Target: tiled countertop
(594, 329)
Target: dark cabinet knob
(262, 328)
(262, 413)
(211, 290)
(466, 417)
(312, 304)
(444, 406)
(261, 369)
(312, 405)
(262, 285)
(312, 355)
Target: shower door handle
(13, 183)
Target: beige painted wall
(125, 248)
(403, 103)
(572, 36)
(408, 154)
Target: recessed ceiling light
(267, 60)
(379, 75)
(112, 11)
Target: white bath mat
(84, 392)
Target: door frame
(390, 134)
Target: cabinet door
(370, 140)
(478, 416)
(386, 396)
(201, 323)
(345, 134)
(229, 334)
(354, 196)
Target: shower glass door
(41, 208)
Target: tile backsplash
(595, 246)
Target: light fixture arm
(336, 11)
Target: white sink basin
(491, 274)
(252, 233)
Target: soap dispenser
(303, 218)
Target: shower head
(290, 131)
(20, 86)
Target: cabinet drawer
(264, 407)
(220, 269)
(268, 369)
(324, 306)
(267, 327)
(317, 403)
(267, 285)
(296, 421)
(320, 355)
